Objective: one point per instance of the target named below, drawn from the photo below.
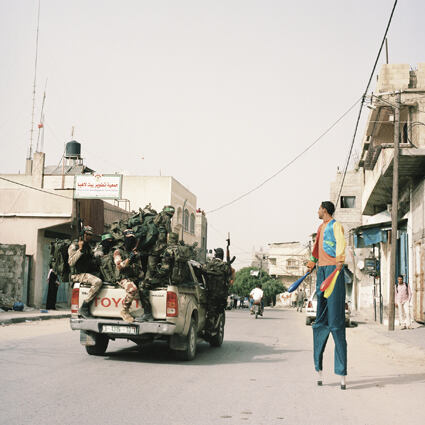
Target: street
(262, 374)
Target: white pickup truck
(178, 317)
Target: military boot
(125, 314)
(147, 316)
(84, 310)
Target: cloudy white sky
(219, 94)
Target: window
(348, 202)
(186, 220)
(192, 223)
(272, 261)
(292, 264)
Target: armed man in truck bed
(219, 274)
(130, 272)
(83, 266)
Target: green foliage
(244, 283)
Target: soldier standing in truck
(218, 278)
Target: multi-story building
(399, 87)
(286, 261)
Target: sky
(218, 94)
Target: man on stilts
(329, 254)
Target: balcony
(378, 186)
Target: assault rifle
(228, 260)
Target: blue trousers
(330, 318)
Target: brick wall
(12, 266)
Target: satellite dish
(360, 265)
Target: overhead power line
(35, 188)
(290, 162)
(363, 99)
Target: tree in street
(247, 278)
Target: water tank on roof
(73, 149)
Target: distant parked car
(311, 310)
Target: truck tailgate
(109, 302)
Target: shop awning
(371, 234)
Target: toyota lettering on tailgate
(108, 302)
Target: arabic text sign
(98, 186)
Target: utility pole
(394, 214)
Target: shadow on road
(382, 381)
(230, 352)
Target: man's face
(321, 212)
(400, 280)
(88, 237)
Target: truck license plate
(117, 329)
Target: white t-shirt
(257, 294)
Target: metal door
(419, 285)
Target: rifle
(228, 260)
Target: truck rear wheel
(189, 353)
(217, 339)
(100, 346)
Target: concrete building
(348, 213)
(286, 261)
(32, 215)
(403, 87)
(39, 206)
(260, 260)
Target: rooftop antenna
(41, 123)
(35, 81)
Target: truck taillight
(310, 304)
(74, 300)
(172, 304)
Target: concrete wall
(12, 266)
(142, 190)
(353, 185)
(280, 253)
(393, 77)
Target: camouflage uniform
(104, 254)
(174, 262)
(130, 274)
(84, 268)
(218, 276)
(163, 223)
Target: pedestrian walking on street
(300, 299)
(294, 299)
(329, 254)
(402, 298)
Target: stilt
(319, 378)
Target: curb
(33, 318)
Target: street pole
(394, 215)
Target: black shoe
(147, 317)
(343, 387)
(85, 310)
(319, 383)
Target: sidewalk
(414, 337)
(10, 317)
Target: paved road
(262, 374)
